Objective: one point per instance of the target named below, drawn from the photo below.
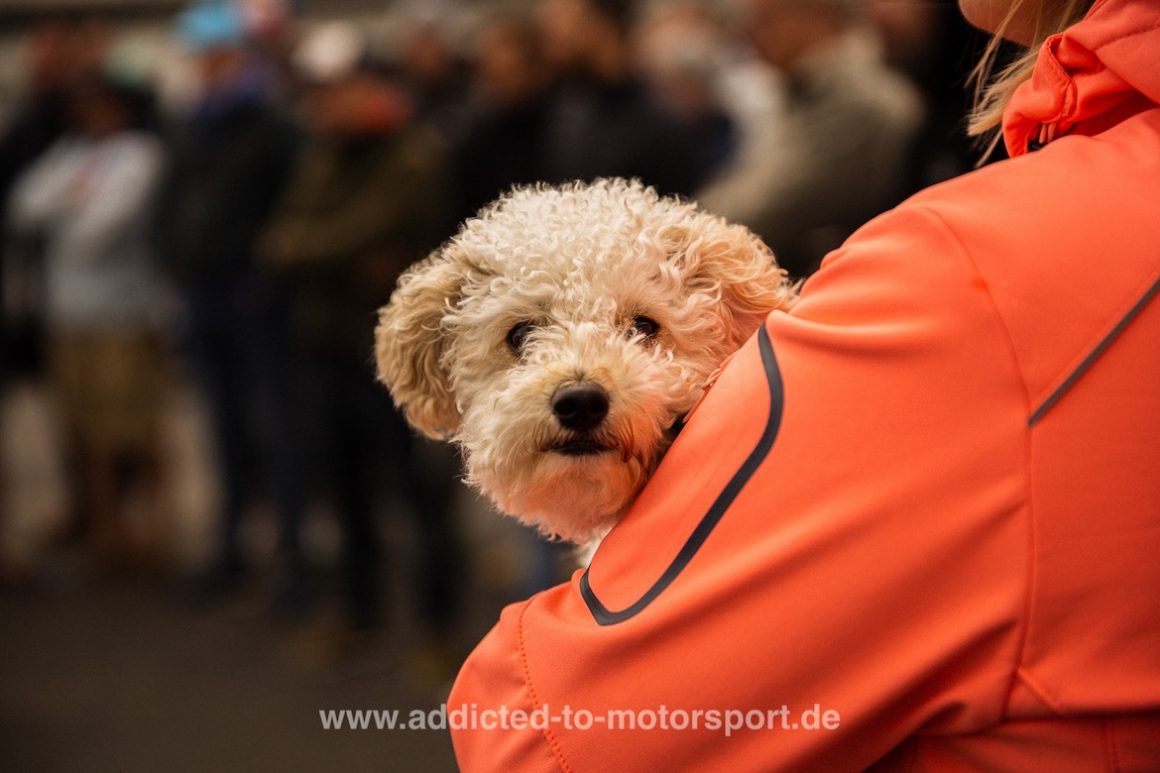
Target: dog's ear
(752, 282)
(409, 344)
(743, 267)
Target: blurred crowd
(243, 237)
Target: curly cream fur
(578, 262)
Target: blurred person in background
(434, 74)
(679, 47)
(838, 155)
(228, 163)
(504, 142)
(87, 201)
(603, 119)
(38, 119)
(366, 199)
(933, 46)
(56, 55)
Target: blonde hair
(993, 92)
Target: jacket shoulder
(1063, 239)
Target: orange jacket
(927, 500)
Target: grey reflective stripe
(602, 614)
(1088, 361)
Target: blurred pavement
(122, 673)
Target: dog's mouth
(580, 447)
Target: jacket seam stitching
(1028, 506)
(1091, 343)
(1057, 71)
(547, 731)
(1110, 742)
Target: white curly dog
(562, 334)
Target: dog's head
(560, 336)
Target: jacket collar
(1097, 66)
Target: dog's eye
(518, 335)
(645, 326)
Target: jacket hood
(1109, 58)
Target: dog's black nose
(580, 407)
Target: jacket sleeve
(834, 550)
